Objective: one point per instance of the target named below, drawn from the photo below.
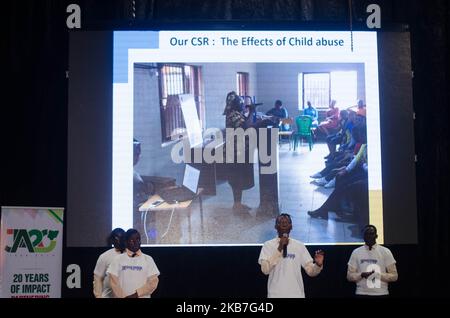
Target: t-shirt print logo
(131, 268)
(370, 261)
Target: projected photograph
(184, 173)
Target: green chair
(303, 131)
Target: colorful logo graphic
(33, 240)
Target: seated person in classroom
(279, 112)
(312, 112)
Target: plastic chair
(287, 134)
(303, 130)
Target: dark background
(34, 136)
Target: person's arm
(391, 275)
(117, 290)
(353, 275)
(149, 287)
(312, 269)
(357, 159)
(99, 276)
(268, 264)
(98, 286)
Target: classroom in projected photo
(316, 146)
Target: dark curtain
(34, 114)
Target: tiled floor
(217, 224)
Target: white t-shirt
(285, 279)
(365, 260)
(133, 271)
(103, 262)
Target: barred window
(316, 89)
(321, 88)
(176, 79)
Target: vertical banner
(31, 252)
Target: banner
(31, 252)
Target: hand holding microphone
(284, 241)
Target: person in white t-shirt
(371, 267)
(102, 287)
(133, 274)
(282, 258)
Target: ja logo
(32, 240)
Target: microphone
(285, 246)
(253, 106)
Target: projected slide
(309, 146)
